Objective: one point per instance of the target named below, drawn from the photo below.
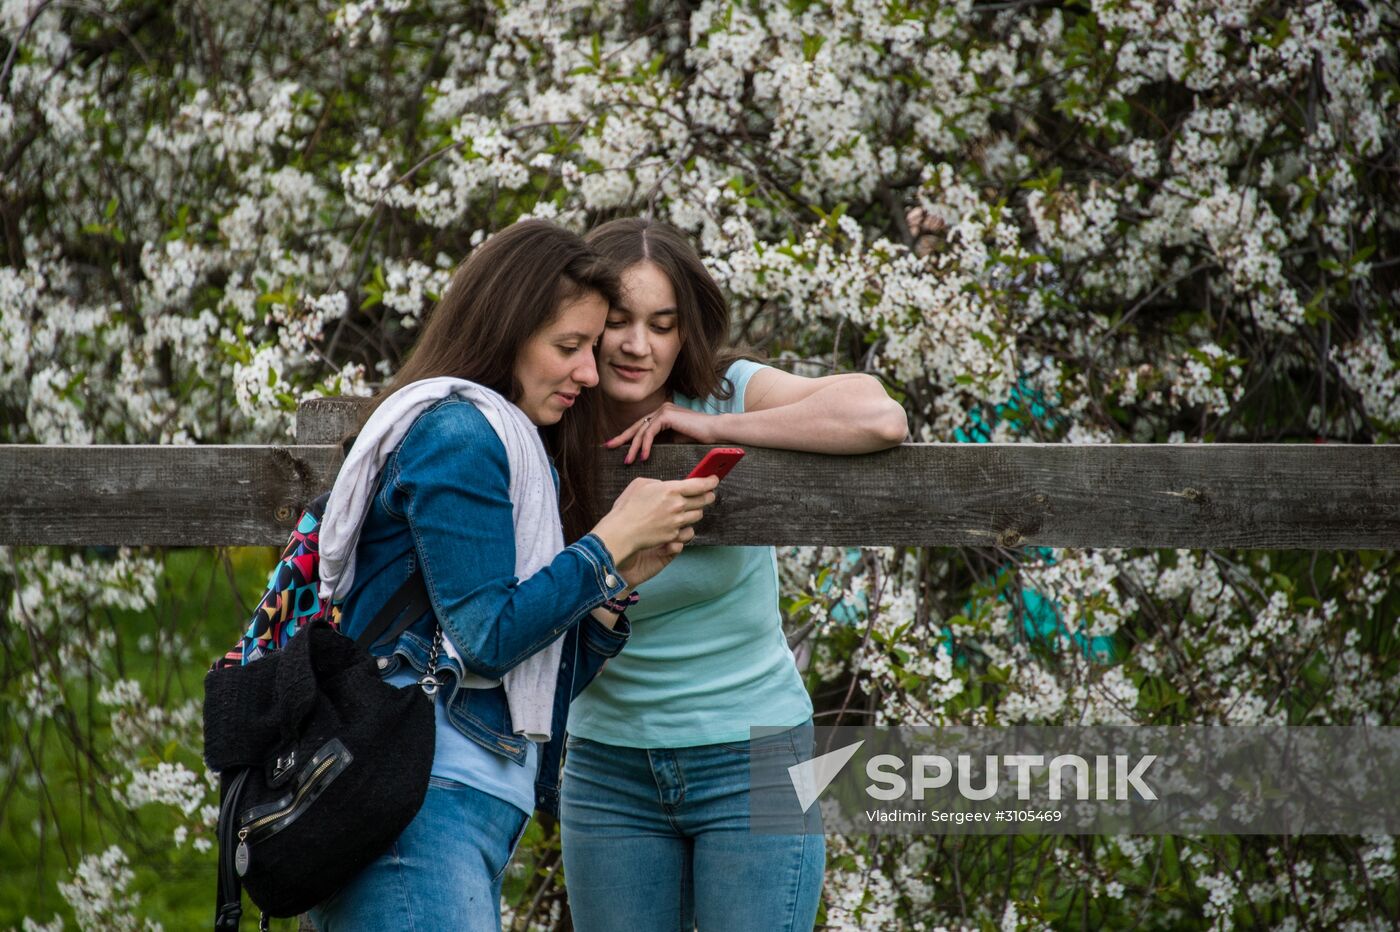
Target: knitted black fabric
(338, 764)
(241, 717)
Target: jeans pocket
(793, 740)
(771, 744)
(514, 844)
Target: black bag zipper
(325, 766)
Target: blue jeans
(444, 872)
(658, 839)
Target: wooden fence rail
(1119, 495)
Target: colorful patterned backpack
(292, 599)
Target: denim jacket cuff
(610, 581)
(605, 641)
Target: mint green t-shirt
(707, 657)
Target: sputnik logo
(811, 778)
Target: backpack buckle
(281, 767)
(284, 764)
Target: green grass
(196, 607)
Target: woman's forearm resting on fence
(847, 413)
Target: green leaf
(1281, 32)
(1047, 182)
(1361, 255)
(798, 603)
(997, 675)
(236, 351)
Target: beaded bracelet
(618, 606)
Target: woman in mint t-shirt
(655, 803)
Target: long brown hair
(702, 314)
(499, 296)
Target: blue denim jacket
(443, 501)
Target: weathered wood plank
(328, 420)
(1118, 495)
(174, 496)
(1128, 495)
(1222, 495)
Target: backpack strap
(229, 902)
(405, 607)
(317, 506)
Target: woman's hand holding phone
(717, 462)
(652, 521)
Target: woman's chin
(545, 415)
(622, 394)
(618, 392)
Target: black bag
(322, 764)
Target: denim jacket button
(610, 580)
(383, 663)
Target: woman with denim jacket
(655, 800)
(520, 317)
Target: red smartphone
(717, 462)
